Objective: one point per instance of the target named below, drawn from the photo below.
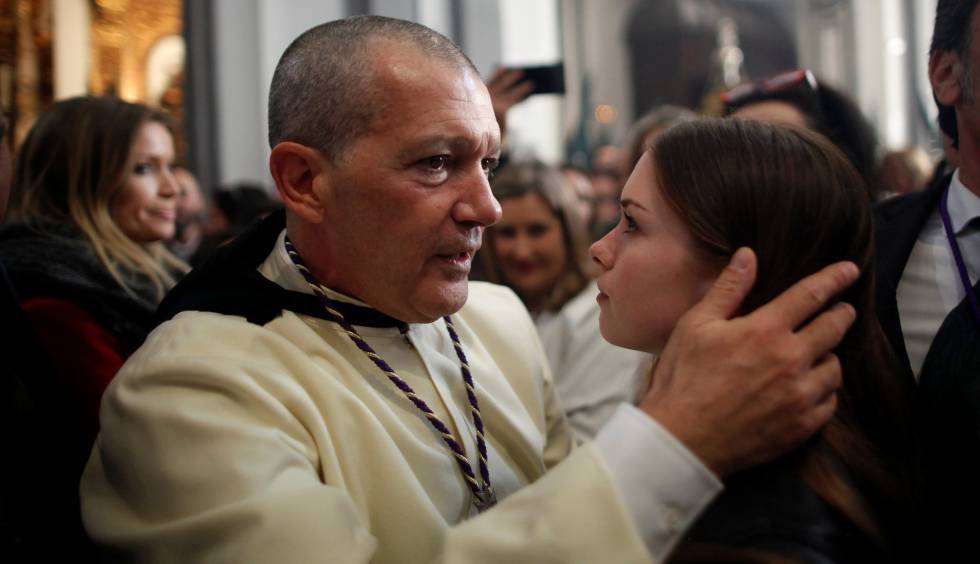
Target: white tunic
(227, 441)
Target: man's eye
(490, 165)
(437, 163)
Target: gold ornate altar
(135, 52)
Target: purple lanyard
(971, 296)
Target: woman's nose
(601, 253)
(169, 187)
(522, 247)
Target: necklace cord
(964, 275)
(483, 494)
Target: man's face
(406, 206)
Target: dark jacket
(771, 511)
(66, 326)
(948, 395)
(45, 447)
(87, 322)
(57, 261)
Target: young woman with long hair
(702, 191)
(540, 249)
(94, 198)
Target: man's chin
(446, 301)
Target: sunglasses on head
(799, 80)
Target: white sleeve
(205, 457)
(664, 486)
(219, 459)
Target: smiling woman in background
(539, 248)
(94, 198)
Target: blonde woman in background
(94, 198)
(540, 249)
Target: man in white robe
(254, 427)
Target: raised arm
(507, 89)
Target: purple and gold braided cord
(481, 493)
(481, 443)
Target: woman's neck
(534, 304)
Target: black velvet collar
(229, 283)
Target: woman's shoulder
(56, 262)
(41, 254)
(772, 510)
(43, 245)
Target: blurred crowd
(104, 220)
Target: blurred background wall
(210, 61)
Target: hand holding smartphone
(509, 86)
(546, 79)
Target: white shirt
(930, 286)
(591, 375)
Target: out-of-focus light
(896, 46)
(604, 113)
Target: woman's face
(146, 207)
(651, 273)
(529, 247)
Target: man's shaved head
(323, 92)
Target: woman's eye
(505, 232)
(538, 230)
(628, 223)
(141, 168)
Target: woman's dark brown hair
(797, 201)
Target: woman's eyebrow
(626, 202)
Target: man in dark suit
(928, 266)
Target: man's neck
(969, 149)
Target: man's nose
(477, 204)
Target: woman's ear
(298, 172)
(945, 74)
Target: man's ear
(298, 171)
(945, 74)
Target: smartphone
(547, 79)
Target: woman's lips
(524, 268)
(602, 296)
(168, 215)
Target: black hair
(951, 32)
